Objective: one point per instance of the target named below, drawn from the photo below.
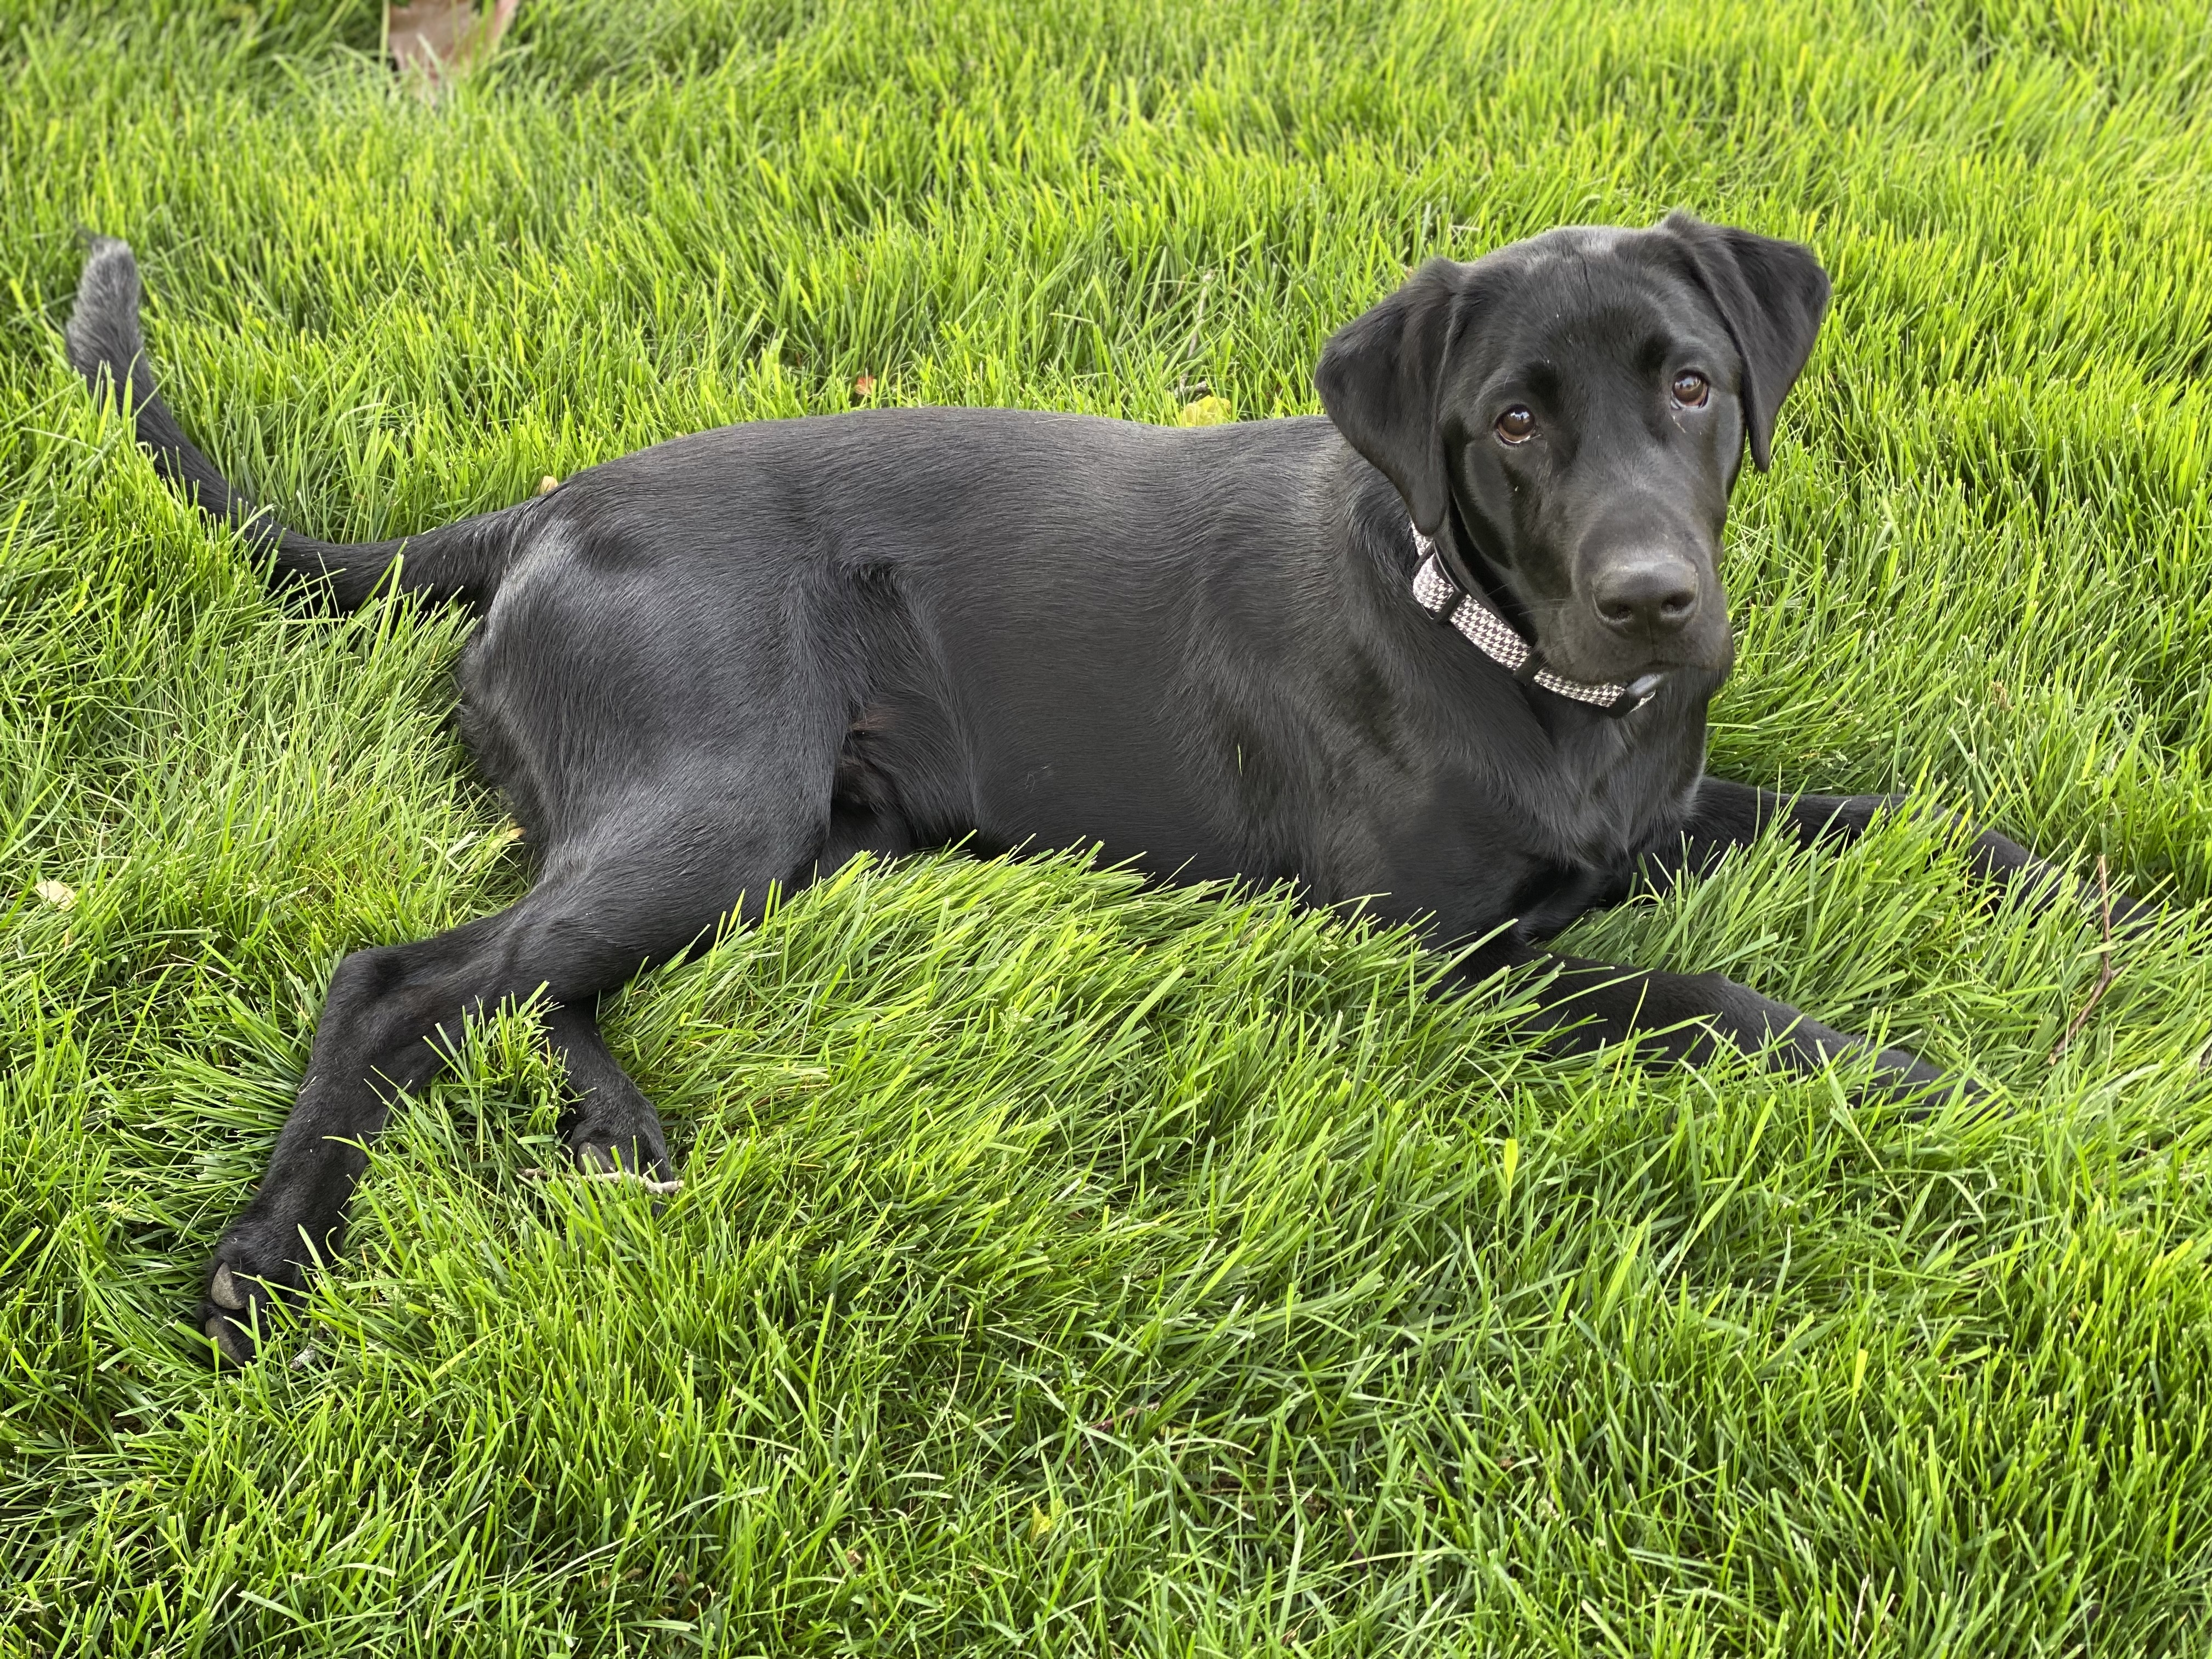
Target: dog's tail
(462, 560)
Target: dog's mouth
(1706, 651)
(1627, 665)
(1623, 667)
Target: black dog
(1447, 650)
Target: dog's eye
(1691, 389)
(1517, 425)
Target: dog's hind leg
(603, 912)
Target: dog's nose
(1652, 594)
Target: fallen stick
(2105, 973)
(659, 1189)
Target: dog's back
(1046, 629)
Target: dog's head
(1585, 397)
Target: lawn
(1068, 1267)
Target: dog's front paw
(1904, 1077)
(2024, 879)
(2130, 915)
(257, 1269)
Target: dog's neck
(1475, 571)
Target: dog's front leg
(1587, 1005)
(1727, 815)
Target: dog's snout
(1648, 593)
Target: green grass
(1063, 1266)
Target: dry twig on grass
(2106, 971)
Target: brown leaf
(445, 38)
(863, 385)
(548, 484)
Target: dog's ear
(1379, 376)
(1772, 294)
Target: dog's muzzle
(1436, 593)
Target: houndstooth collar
(1436, 593)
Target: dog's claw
(223, 1290)
(230, 1342)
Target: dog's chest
(1478, 840)
(1597, 799)
(1613, 800)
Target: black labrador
(1446, 650)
